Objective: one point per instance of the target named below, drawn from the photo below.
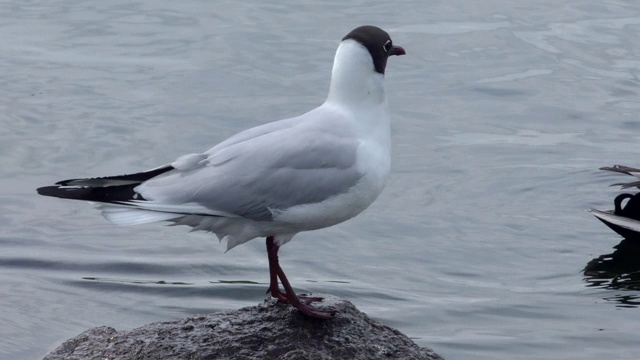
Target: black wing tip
(88, 193)
(136, 177)
(102, 189)
(47, 190)
(110, 194)
(64, 193)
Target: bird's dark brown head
(378, 42)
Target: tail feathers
(124, 215)
(111, 189)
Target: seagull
(275, 180)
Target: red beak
(397, 50)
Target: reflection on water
(164, 282)
(475, 248)
(236, 282)
(129, 281)
(619, 270)
(629, 301)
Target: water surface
(502, 114)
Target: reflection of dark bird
(625, 220)
(618, 270)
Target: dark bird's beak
(397, 50)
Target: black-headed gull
(304, 173)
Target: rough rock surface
(267, 331)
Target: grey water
(503, 111)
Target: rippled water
(503, 111)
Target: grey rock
(267, 331)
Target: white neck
(353, 79)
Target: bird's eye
(387, 46)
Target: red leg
(272, 254)
(290, 296)
(305, 308)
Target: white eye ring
(387, 46)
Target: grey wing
(259, 176)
